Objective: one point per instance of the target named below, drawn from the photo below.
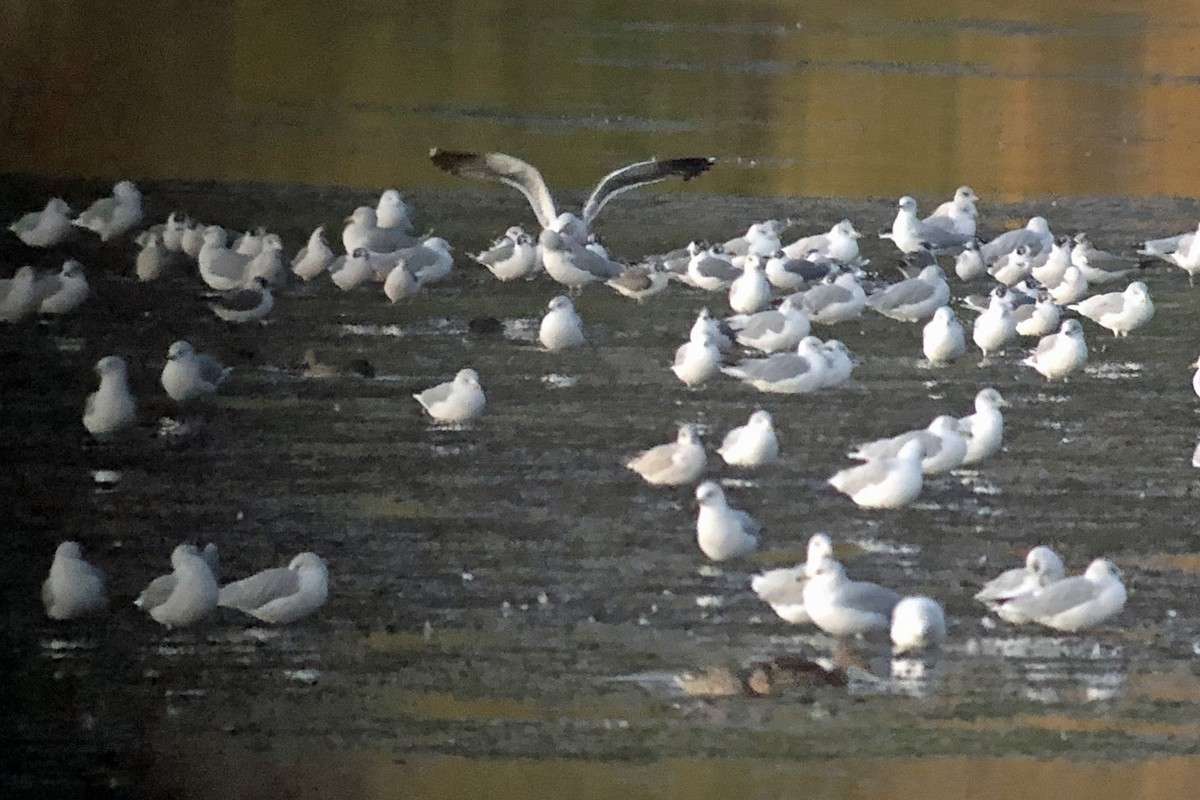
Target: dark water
(510, 606)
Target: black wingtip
(688, 168)
(449, 160)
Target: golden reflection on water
(228, 773)
(818, 98)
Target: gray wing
(1099, 305)
(241, 299)
(780, 586)
(1004, 585)
(501, 252)
(654, 460)
(749, 524)
(820, 297)
(594, 263)
(228, 264)
(1056, 598)
(640, 174)
(931, 442)
(435, 394)
(868, 597)
(1007, 242)
(775, 369)
(26, 223)
(940, 238)
(1046, 344)
(503, 168)
(98, 212)
(211, 370)
(635, 279)
(259, 589)
(854, 479)
(905, 293)
(762, 323)
(717, 268)
(156, 593)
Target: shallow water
(510, 605)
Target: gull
(572, 264)
(785, 373)
(189, 375)
(1071, 289)
(918, 623)
(525, 178)
(723, 532)
(1073, 604)
(709, 270)
(159, 589)
(834, 301)
(910, 234)
(942, 338)
(914, 299)
(995, 327)
(773, 330)
(74, 588)
(44, 228)
(392, 212)
(112, 216)
(352, 271)
(221, 268)
(314, 258)
(885, 483)
(363, 230)
(1013, 268)
(400, 283)
(842, 607)
(840, 243)
(838, 362)
(152, 258)
(1054, 268)
(1039, 318)
(192, 594)
(1196, 377)
(1042, 567)
(958, 214)
(1163, 247)
(789, 274)
(1099, 266)
(968, 265)
(193, 238)
(641, 281)
(250, 243)
(680, 462)
(942, 444)
(244, 305)
(280, 595)
(983, 430)
(1120, 312)
(65, 291)
(511, 257)
(267, 263)
(111, 408)
(760, 239)
(429, 261)
(723, 335)
(752, 444)
(783, 589)
(172, 232)
(455, 401)
(561, 328)
(1036, 235)
(19, 298)
(750, 292)
(697, 359)
(1060, 354)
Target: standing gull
(1120, 312)
(525, 178)
(283, 594)
(723, 532)
(314, 258)
(750, 292)
(783, 589)
(455, 401)
(910, 234)
(572, 264)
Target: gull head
(178, 350)
(710, 494)
(467, 377)
(110, 365)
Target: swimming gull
(111, 408)
(1073, 604)
(525, 178)
(783, 589)
(188, 375)
(842, 607)
(193, 592)
(1120, 312)
(918, 623)
(674, 464)
(983, 430)
(723, 532)
(74, 588)
(752, 444)
(112, 216)
(561, 327)
(942, 338)
(455, 401)
(1060, 354)
(44, 228)
(1042, 567)
(280, 595)
(884, 483)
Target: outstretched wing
(640, 174)
(505, 169)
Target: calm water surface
(510, 606)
